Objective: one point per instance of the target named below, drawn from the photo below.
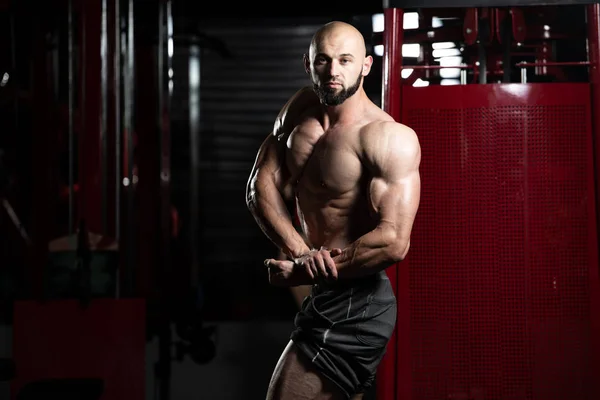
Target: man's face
(333, 94)
(336, 67)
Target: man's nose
(334, 69)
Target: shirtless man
(353, 173)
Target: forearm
(371, 253)
(271, 214)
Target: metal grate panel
(504, 243)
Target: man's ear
(306, 63)
(367, 65)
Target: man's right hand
(319, 263)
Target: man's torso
(329, 180)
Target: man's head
(337, 62)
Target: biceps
(396, 202)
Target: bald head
(337, 62)
(339, 35)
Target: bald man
(353, 173)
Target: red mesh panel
(503, 244)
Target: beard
(329, 97)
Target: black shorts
(344, 329)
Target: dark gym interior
(130, 267)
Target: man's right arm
(265, 201)
(266, 184)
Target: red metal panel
(593, 24)
(63, 339)
(503, 276)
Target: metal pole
(117, 89)
(194, 115)
(482, 62)
(71, 99)
(387, 385)
(165, 338)
(131, 127)
(523, 75)
(165, 148)
(104, 115)
(82, 112)
(128, 80)
(118, 132)
(392, 61)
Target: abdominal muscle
(332, 222)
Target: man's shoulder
(388, 143)
(388, 129)
(298, 105)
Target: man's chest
(324, 160)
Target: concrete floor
(246, 353)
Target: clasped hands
(311, 267)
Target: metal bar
(117, 74)
(128, 79)
(194, 116)
(554, 64)
(455, 34)
(483, 71)
(104, 115)
(163, 364)
(403, 4)
(131, 242)
(387, 385)
(505, 35)
(524, 65)
(166, 137)
(165, 146)
(161, 65)
(118, 128)
(437, 66)
(162, 104)
(71, 101)
(82, 108)
(392, 62)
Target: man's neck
(347, 112)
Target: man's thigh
(295, 378)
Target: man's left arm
(392, 155)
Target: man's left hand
(286, 273)
(305, 270)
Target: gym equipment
(498, 297)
